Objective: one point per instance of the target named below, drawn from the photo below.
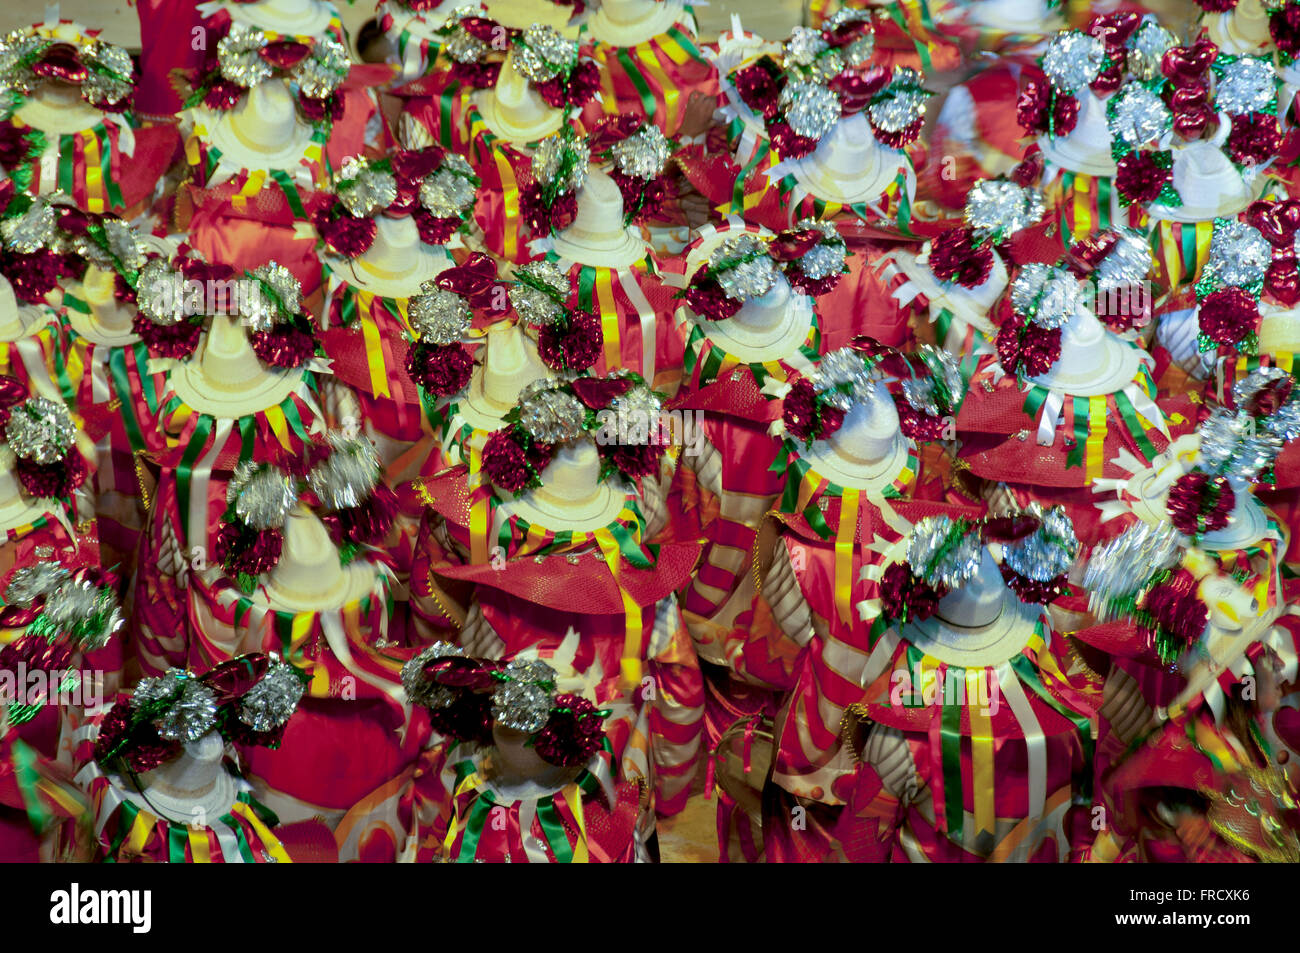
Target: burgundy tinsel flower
(505, 463)
(1178, 610)
(1200, 503)
(284, 346)
(544, 218)
(917, 425)
(1217, 6)
(641, 202)
(805, 418)
(1030, 352)
(52, 480)
(572, 348)
(468, 718)
(442, 369)
(368, 522)
(570, 737)
(704, 296)
(1031, 590)
(584, 81)
(634, 460)
(1141, 178)
(34, 654)
(223, 95)
(144, 751)
(172, 340)
(904, 597)
(1228, 315)
(433, 230)
(788, 143)
(13, 145)
(953, 258)
(475, 75)
(758, 89)
(122, 291)
(1284, 25)
(1036, 113)
(318, 110)
(1254, 138)
(35, 275)
(816, 287)
(344, 234)
(242, 550)
(552, 92)
(901, 138)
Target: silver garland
(1046, 295)
(1239, 254)
(239, 56)
(1120, 568)
(549, 156)
(1248, 85)
(1073, 60)
(810, 108)
(324, 70)
(41, 430)
(449, 190)
(124, 244)
(536, 307)
(643, 154)
(859, 52)
(901, 104)
(438, 316)
(1150, 43)
(420, 690)
(30, 583)
(803, 47)
(543, 54)
(78, 600)
(828, 256)
(192, 714)
(843, 378)
(749, 279)
(937, 392)
(1047, 552)
(272, 701)
(35, 229)
(464, 47)
(1285, 421)
(363, 190)
(1127, 263)
(160, 293)
(1137, 116)
(524, 702)
(957, 566)
(347, 477)
(17, 46)
(550, 414)
(262, 495)
(996, 209)
(260, 310)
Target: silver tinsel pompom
(1048, 295)
(1283, 422)
(1239, 254)
(33, 230)
(843, 378)
(363, 191)
(534, 306)
(549, 414)
(1137, 116)
(124, 244)
(1120, 568)
(438, 316)
(1247, 85)
(748, 279)
(18, 45)
(152, 690)
(996, 209)
(1073, 60)
(464, 47)
(421, 691)
(901, 104)
(550, 156)
(160, 293)
(927, 560)
(262, 495)
(1127, 263)
(347, 477)
(542, 54)
(859, 52)
(193, 713)
(1150, 43)
(638, 409)
(324, 71)
(41, 430)
(78, 601)
(113, 81)
(272, 701)
(643, 154)
(524, 702)
(803, 46)
(827, 257)
(239, 57)
(259, 310)
(29, 583)
(1048, 551)
(448, 192)
(811, 109)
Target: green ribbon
(290, 191)
(67, 150)
(185, 471)
(738, 190)
(478, 816)
(639, 81)
(686, 43)
(28, 775)
(1129, 413)
(1075, 456)
(553, 829)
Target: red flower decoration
(284, 54)
(904, 597)
(174, 340)
(1039, 112)
(1200, 503)
(571, 736)
(1254, 138)
(1028, 350)
(505, 463)
(787, 143)
(572, 348)
(284, 346)
(342, 233)
(434, 231)
(1228, 315)
(1141, 177)
(805, 417)
(758, 89)
(917, 425)
(243, 551)
(706, 298)
(953, 258)
(1284, 25)
(35, 275)
(634, 460)
(1217, 6)
(52, 480)
(14, 145)
(223, 95)
(597, 393)
(440, 369)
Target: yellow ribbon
(1096, 444)
(631, 662)
(848, 526)
(981, 746)
(1084, 187)
(580, 855)
(200, 852)
(609, 319)
(479, 504)
(94, 174)
(469, 784)
(269, 841)
(374, 347)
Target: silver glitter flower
(324, 71)
(1073, 60)
(550, 414)
(1047, 552)
(996, 209)
(901, 104)
(939, 391)
(560, 161)
(1047, 295)
(438, 316)
(262, 495)
(859, 52)
(18, 48)
(41, 430)
(464, 47)
(843, 378)
(160, 293)
(1247, 85)
(828, 256)
(1150, 43)
(744, 269)
(1284, 422)
(363, 190)
(88, 611)
(448, 192)
(1127, 263)
(272, 701)
(811, 109)
(35, 229)
(111, 73)
(262, 310)
(637, 410)
(1239, 254)
(239, 56)
(643, 154)
(191, 715)
(1137, 116)
(537, 298)
(347, 477)
(543, 54)
(943, 552)
(150, 691)
(124, 244)
(29, 583)
(803, 46)
(420, 690)
(1119, 569)
(524, 702)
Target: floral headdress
(437, 188)
(1042, 300)
(245, 56)
(441, 316)
(61, 611)
(1038, 548)
(553, 412)
(745, 266)
(568, 338)
(248, 700)
(46, 237)
(1248, 260)
(43, 436)
(995, 210)
(1238, 447)
(825, 75)
(31, 56)
(344, 480)
(466, 696)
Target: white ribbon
(197, 530)
(1035, 742)
(1047, 423)
(632, 288)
